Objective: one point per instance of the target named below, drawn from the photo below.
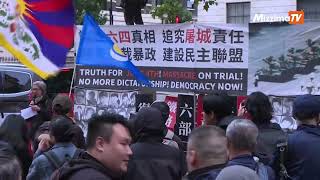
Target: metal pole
(110, 13)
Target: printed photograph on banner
(89, 112)
(115, 100)
(276, 119)
(287, 107)
(125, 101)
(102, 110)
(80, 96)
(79, 112)
(103, 99)
(132, 99)
(92, 96)
(288, 122)
(284, 58)
(124, 112)
(276, 103)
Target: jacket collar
(243, 160)
(310, 129)
(58, 145)
(100, 166)
(195, 173)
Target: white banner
(201, 54)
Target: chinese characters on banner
(185, 116)
(143, 100)
(172, 103)
(181, 58)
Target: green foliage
(207, 3)
(172, 8)
(93, 7)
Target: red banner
(199, 111)
(172, 103)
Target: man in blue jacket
(242, 137)
(302, 159)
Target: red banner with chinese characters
(199, 119)
(172, 103)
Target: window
(15, 82)
(238, 13)
(310, 8)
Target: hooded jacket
(151, 158)
(85, 167)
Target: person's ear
(193, 158)
(211, 118)
(100, 143)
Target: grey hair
(41, 85)
(242, 134)
(210, 143)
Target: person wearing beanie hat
(151, 159)
(61, 105)
(41, 104)
(61, 134)
(302, 160)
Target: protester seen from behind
(107, 154)
(270, 134)
(242, 137)
(170, 138)
(47, 162)
(14, 131)
(61, 106)
(151, 158)
(206, 153)
(217, 110)
(10, 168)
(301, 159)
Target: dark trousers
(133, 16)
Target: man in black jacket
(107, 154)
(151, 159)
(132, 11)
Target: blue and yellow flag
(38, 32)
(97, 49)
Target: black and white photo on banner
(282, 111)
(89, 102)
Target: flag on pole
(38, 32)
(97, 49)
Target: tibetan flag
(97, 49)
(38, 32)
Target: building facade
(247, 11)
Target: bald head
(207, 145)
(242, 134)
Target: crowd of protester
(50, 145)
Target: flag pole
(73, 74)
